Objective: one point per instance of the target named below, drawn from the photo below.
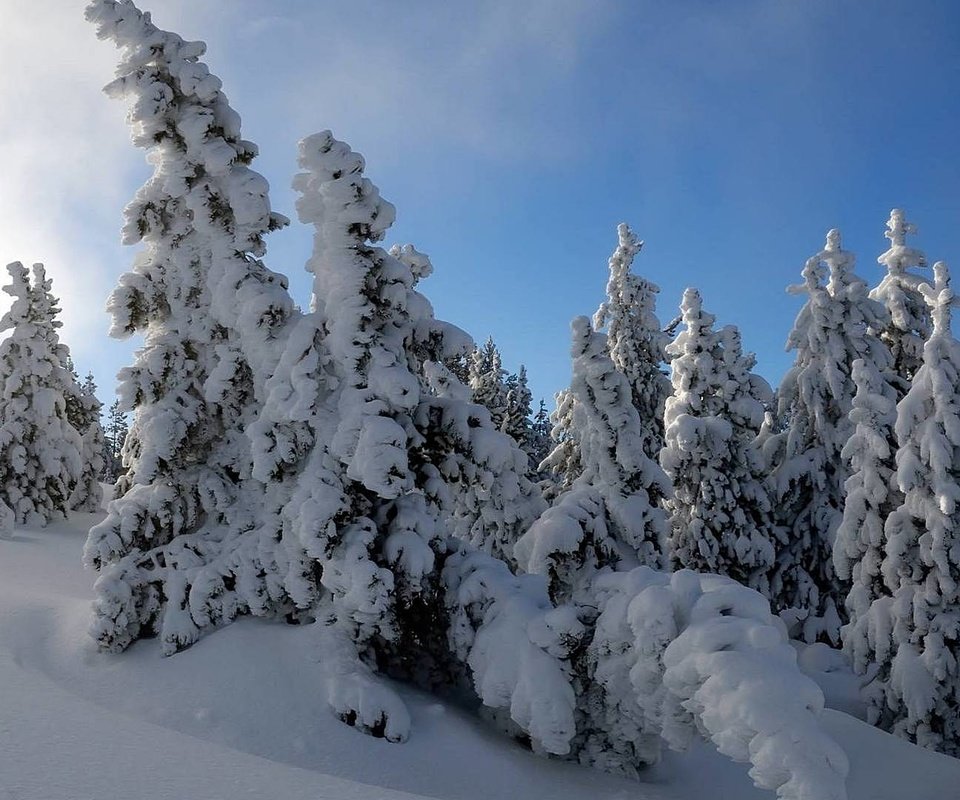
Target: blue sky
(513, 137)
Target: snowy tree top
(899, 256)
(834, 261)
(19, 290)
(334, 181)
(839, 261)
(624, 288)
(940, 297)
(180, 109)
(31, 303)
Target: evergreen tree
(488, 381)
(721, 512)
(40, 461)
(540, 442)
(517, 410)
(908, 325)
(814, 401)
(508, 399)
(871, 496)
(563, 462)
(635, 338)
(114, 438)
(209, 312)
(83, 410)
(611, 514)
(396, 454)
(916, 634)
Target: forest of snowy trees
(602, 578)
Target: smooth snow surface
(242, 715)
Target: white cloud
(61, 185)
(411, 75)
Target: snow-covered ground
(241, 715)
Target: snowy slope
(240, 715)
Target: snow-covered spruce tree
(635, 338)
(492, 499)
(488, 381)
(871, 496)
(721, 511)
(506, 396)
(916, 634)
(908, 326)
(39, 448)
(611, 514)
(540, 442)
(83, 411)
(396, 455)
(518, 410)
(648, 654)
(814, 400)
(115, 435)
(562, 463)
(208, 310)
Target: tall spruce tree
(83, 410)
(208, 311)
(611, 515)
(721, 511)
(540, 442)
(916, 634)
(871, 496)
(908, 325)
(487, 379)
(396, 455)
(814, 400)
(563, 463)
(115, 435)
(635, 338)
(518, 410)
(40, 451)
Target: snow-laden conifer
(832, 330)
(208, 311)
(871, 496)
(562, 462)
(540, 427)
(40, 461)
(115, 434)
(83, 410)
(635, 337)
(506, 396)
(396, 456)
(517, 410)
(908, 325)
(611, 514)
(721, 511)
(488, 380)
(916, 633)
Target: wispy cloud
(61, 184)
(422, 76)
